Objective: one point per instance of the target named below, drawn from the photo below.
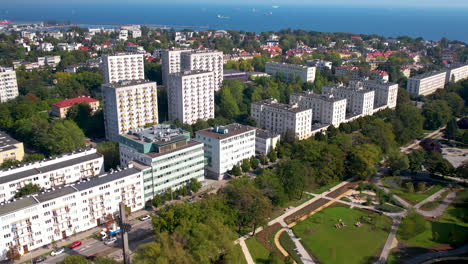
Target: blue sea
(429, 23)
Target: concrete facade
(8, 84)
(123, 67)
(307, 74)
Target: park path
(441, 208)
(430, 198)
(432, 255)
(246, 252)
(391, 240)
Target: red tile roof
(72, 101)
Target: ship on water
(223, 17)
(4, 22)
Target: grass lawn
(289, 246)
(349, 244)
(324, 188)
(429, 206)
(294, 203)
(237, 256)
(414, 197)
(259, 253)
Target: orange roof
(72, 101)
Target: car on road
(145, 217)
(39, 259)
(57, 252)
(75, 244)
(110, 241)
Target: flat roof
(126, 83)
(48, 168)
(323, 97)
(105, 178)
(285, 107)
(427, 74)
(189, 144)
(6, 141)
(17, 205)
(189, 73)
(233, 130)
(263, 133)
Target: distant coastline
(429, 23)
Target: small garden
(371, 195)
(413, 191)
(339, 234)
(262, 247)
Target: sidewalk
(83, 236)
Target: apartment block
(171, 62)
(212, 61)
(321, 65)
(386, 93)
(379, 75)
(457, 73)
(359, 101)
(427, 83)
(266, 141)
(40, 219)
(128, 105)
(123, 67)
(10, 149)
(52, 172)
(191, 96)
(171, 157)
(354, 73)
(8, 84)
(307, 74)
(226, 147)
(326, 109)
(281, 118)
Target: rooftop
(263, 133)
(222, 132)
(72, 101)
(6, 142)
(427, 74)
(126, 83)
(189, 73)
(324, 97)
(294, 108)
(160, 134)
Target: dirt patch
(343, 189)
(266, 237)
(306, 210)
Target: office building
(37, 220)
(60, 108)
(8, 84)
(191, 96)
(359, 101)
(426, 83)
(52, 172)
(266, 141)
(171, 157)
(281, 118)
(123, 67)
(211, 61)
(226, 147)
(10, 149)
(326, 109)
(129, 105)
(307, 74)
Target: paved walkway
(428, 256)
(431, 198)
(246, 252)
(391, 240)
(441, 208)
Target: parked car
(145, 217)
(57, 252)
(39, 259)
(110, 241)
(75, 244)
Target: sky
(391, 3)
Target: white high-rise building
(8, 84)
(37, 220)
(427, 83)
(307, 74)
(326, 109)
(191, 96)
(212, 61)
(457, 73)
(359, 101)
(129, 105)
(226, 147)
(171, 62)
(281, 118)
(171, 157)
(386, 93)
(50, 173)
(123, 67)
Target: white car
(57, 252)
(144, 218)
(110, 241)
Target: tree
(462, 170)
(362, 160)
(398, 162)
(104, 260)
(291, 175)
(194, 185)
(412, 225)
(110, 150)
(451, 130)
(409, 187)
(431, 145)
(74, 259)
(435, 163)
(245, 165)
(437, 114)
(416, 159)
(157, 201)
(254, 163)
(13, 253)
(236, 171)
(381, 134)
(408, 123)
(272, 156)
(27, 190)
(64, 136)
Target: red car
(75, 244)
